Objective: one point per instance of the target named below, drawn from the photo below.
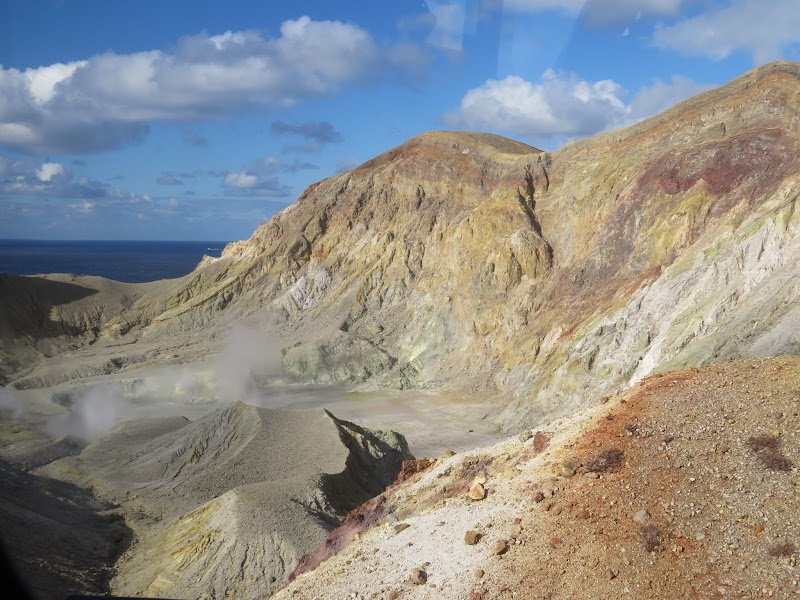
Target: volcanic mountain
(469, 261)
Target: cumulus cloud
(562, 105)
(243, 183)
(20, 179)
(49, 170)
(240, 180)
(108, 100)
(763, 29)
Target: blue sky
(197, 120)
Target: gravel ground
(684, 486)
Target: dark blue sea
(134, 262)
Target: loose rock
(472, 537)
(501, 547)
(401, 527)
(419, 576)
(477, 491)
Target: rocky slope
(225, 506)
(685, 486)
(468, 261)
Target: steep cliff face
(470, 261)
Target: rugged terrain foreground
(685, 486)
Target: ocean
(129, 261)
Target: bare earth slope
(686, 486)
(224, 506)
(469, 261)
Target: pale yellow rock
(476, 492)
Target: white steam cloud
(92, 414)
(249, 356)
(10, 407)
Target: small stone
(479, 573)
(525, 436)
(481, 478)
(477, 491)
(568, 469)
(419, 576)
(758, 528)
(642, 516)
(548, 492)
(472, 537)
(555, 510)
(448, 453)
(501, 547)
(401, 527)
(583, 514)
(538, 497)
(394, 595)
(612, 573)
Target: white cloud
(83, 208)
(108, 100)
(49, 170)
(763, 29)
(245, 183)
(240, 180)
(20, 179)
(562, 105)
